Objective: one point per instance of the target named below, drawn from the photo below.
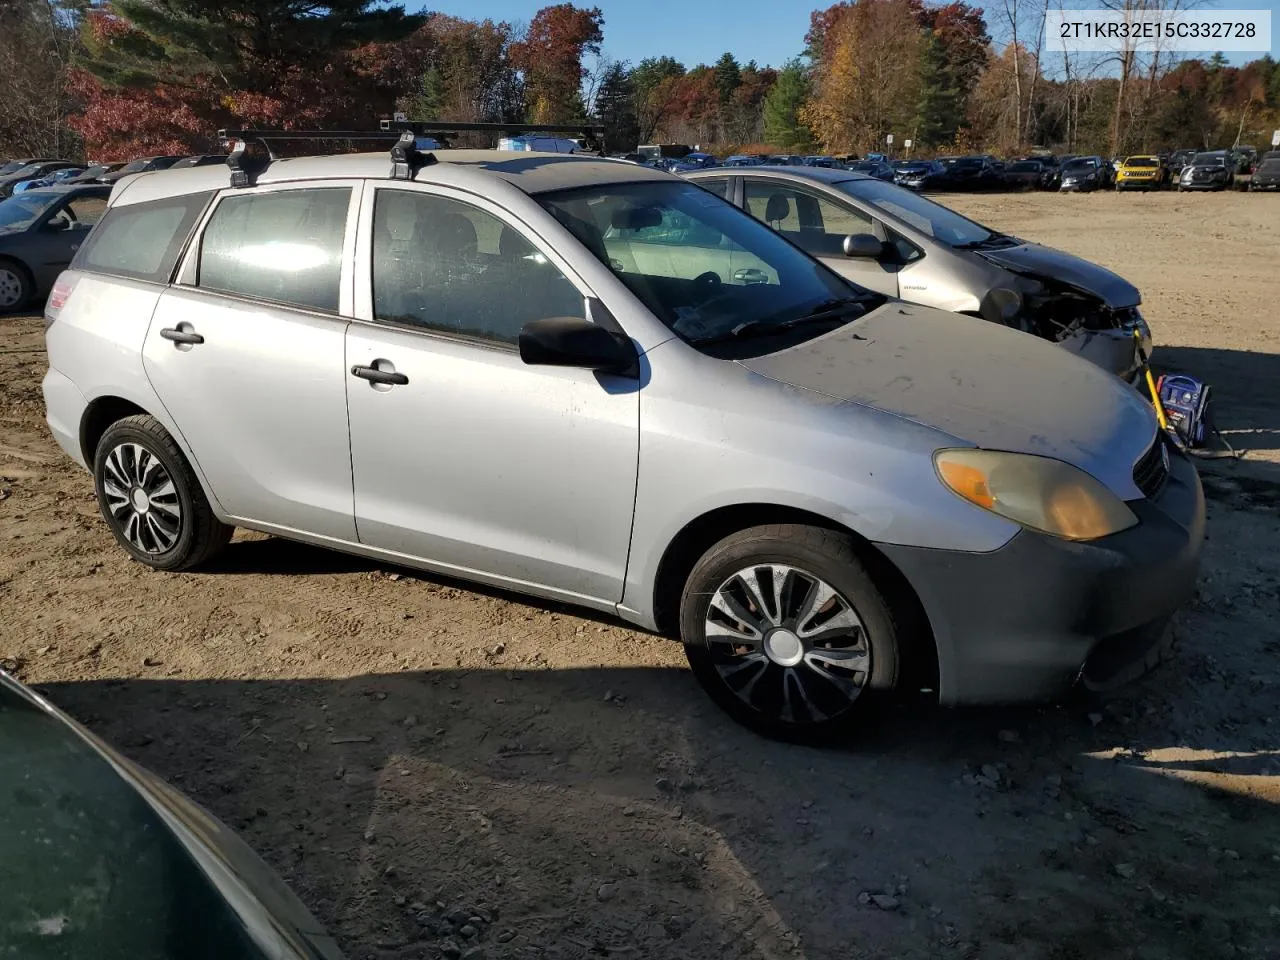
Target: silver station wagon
(598, 383)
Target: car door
(246, 352)
(464, 456)
(818, 224)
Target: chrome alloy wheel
(787, 643)
(142, 499)
(10, 288)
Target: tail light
(58, 298)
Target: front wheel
(151, 499)
(15, 286)
(786, 631)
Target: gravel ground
(441, 771)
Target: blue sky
(698, 31)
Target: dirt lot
(410, 753)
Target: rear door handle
(181, 336)
(374, 375)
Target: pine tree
(728, 76)
(939, 110)
(233, 43)
(616, 108)
(783, 127)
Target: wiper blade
(995, 240)
(824, 312)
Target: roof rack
(246, 165)
(444, 129)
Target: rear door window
(142, 241)
(815, 224)
(284, 246)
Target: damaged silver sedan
(899, 243)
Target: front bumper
(1203, 184)
(1020, 623)
(1150, 183)
(1078, 187)
(1264, 184)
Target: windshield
(1079, 166)
(1024, 166)
(912, 167)
(969, 163)
(1269, 166)
(1209, 160)
(1142, 162)
(30, 170)
(23, 209)
(704, 268)
(931, 219)
(13, 166)
(865, 166)
(135, 166)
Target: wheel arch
(920, 649)
(104, 410)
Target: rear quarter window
(142, 241)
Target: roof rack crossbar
(267, 135)
(445, 129)
(513, 129)
(406, 159)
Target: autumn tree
(654, 82)
(550, 60)
(37, 41)
(464, 73)
(867, 83)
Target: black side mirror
(574, 342)
(863, 245)
(56, 225)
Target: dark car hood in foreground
(1033, 259)
(100, 859)
(978, 382)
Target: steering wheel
(708, 282)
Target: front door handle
(374, 375)
(181, 336)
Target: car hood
(1038, 261)
(978, 382)
(100, 858)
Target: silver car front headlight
(1037, 492)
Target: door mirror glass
(863, 245)
(573, 342)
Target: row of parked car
(1182, 169)
(33, 173)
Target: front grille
(1152, 471)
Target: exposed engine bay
(1064, 314)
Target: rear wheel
(786, 631)
(151, 499)
(15, 286)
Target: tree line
(122, 78)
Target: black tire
(817, 553)
(25, 286)
(199, 534)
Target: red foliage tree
(550, 57)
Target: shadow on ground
(527, 792)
